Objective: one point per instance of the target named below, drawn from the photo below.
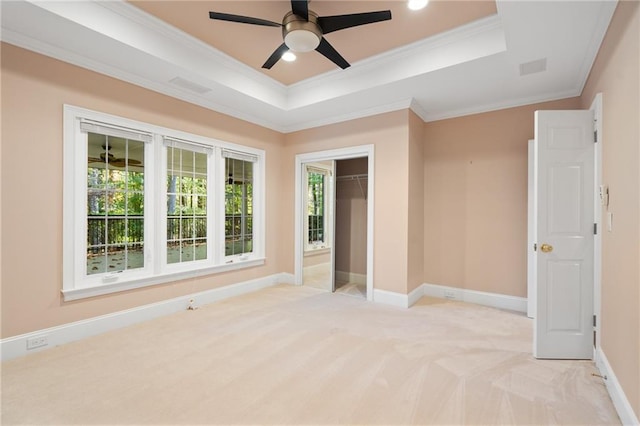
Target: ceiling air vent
(533, 67)
(189, 85)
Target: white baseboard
(415, 295)
(620, 401)
(495, 300)
(351, 277)
(397, 299)
(16, 346)
(285, 278)
(390, 298)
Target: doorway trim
(596, 107)
(335, 154)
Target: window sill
(118, 286)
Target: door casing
(334, 154)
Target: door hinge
(594, 320)
(595, 229)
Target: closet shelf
(352, 177)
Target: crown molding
(606, 13)
(417, 108)
(339, 118)
(496, 106)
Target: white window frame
(258, 171)
(211, 166)
(78, 285)
(327, 171)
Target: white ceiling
(469, 69)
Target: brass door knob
(546, 248)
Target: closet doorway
(350, 236)
(334, 220)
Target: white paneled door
(565, 235)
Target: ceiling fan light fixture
(303, 30)
(301, 41)
(417, 4)
(288, 56)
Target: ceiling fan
(107, 157)
(303, 30)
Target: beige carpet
(296, 355)
(352, 289)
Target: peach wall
(475, 199)
(389, 133)
(616, 74)
(34, 89)
(351, 218)
(415, 225)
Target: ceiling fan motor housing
(299, 34)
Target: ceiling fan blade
(242, 19)
(330, 24)
(300, 8)
(332, 54)
(275, 56)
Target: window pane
(187, 251)
(200, 185)
(135, 229)
(135, 256)
(135, 203)
(173, 252)
(315, 207)
(186, 205)
(96, 231)
(187, 185)
(96, 178)
(238, 206)
(116, 257)
(201, 249)
(136, 181)
(116, 229)
(173, 228)
(96, 260)
(96, 202)
(187, 228)
(115, 204)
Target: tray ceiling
(450, 59)
(252, 44)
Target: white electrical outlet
(37, 342)
(449, 294)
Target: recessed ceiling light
(417, 4)
(288, 56)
